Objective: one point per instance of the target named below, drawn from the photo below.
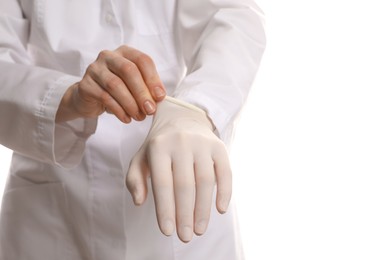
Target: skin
(123, 82)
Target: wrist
(66, 110)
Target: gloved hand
(184, 159)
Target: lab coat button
(109, 18)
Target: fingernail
(200, 227)
(139, 116)
(168, 227)
(149, 107)
(159, 93)
(186, 233)
(127, 119)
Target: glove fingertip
(222, 202)
(139, 198)
(138, 192)
(136, 183)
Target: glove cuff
(185, 104)
(190, 107)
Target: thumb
(136, 179)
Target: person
(120, 115)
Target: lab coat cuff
(64, 141)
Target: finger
(148, 71)
(205, 182)
(223, 175)
(132, 79)
(108, 111)
(162, 184)
(184, 186)
(118, 90)
(136, 179)
(91, 97)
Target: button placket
(110, 19)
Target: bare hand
(123, 82)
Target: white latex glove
(184, 159)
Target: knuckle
(105, 98)
(103, 54)
(144, 60)
(220, 147)
(182, 137)
(127, 68)
(219, 143)
(123, 47)
(185, 218)
(92, 68)
(84, 90)
(163, 186)
(185, 185)
(205, 179)
(156, 142)
(113, 84)
(131, 108)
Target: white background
(311, 155)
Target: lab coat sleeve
(29, 99)
(222, 42)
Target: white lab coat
(65, 197)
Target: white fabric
(65, 197)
